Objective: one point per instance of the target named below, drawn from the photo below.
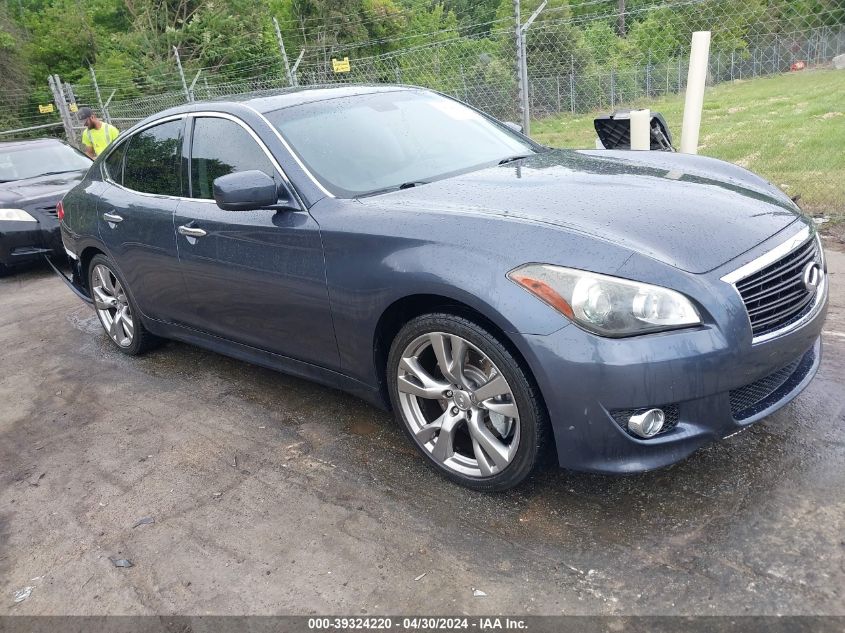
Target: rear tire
(466, 403)
(116, 309)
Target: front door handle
(112, 218)
(191, 231)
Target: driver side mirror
(514, 126)
(252, 190)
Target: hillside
(781, 127)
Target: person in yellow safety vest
(97, 134)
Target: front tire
(466, 403)
(116, 309)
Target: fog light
(647, 424)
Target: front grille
(51, 211)
(775, 296)
(670, 411)
(750, 399)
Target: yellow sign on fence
(340, 65)
(46, 109)
(73, 108)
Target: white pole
(522, 95)
(696, 77)
(640, 129)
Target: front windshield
(381, 141)
(35, 160)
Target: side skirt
(277, 362)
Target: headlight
(608, 306)
(16, 215)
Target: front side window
(220, 147)
(371, 142)
(152, 163)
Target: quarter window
(221, 147)
(152, 162)
(114, 163)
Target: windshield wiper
(53, 173)
(404, 185)
(510, 159)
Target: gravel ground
(272, 495)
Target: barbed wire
(572, 68)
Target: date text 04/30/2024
(416, 624)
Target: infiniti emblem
(463, 400)
(812, 276)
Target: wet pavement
(274, 495)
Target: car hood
(691, 212)
(39, 189)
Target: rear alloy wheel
(466, 402)
(112, 306)
(116, 309)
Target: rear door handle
(191, 231)
(113, 218)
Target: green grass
(788, 128)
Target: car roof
(12, 146)
(285, 98)
(282, 98)
(313, 94)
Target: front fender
(376, 256)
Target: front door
(135, 216)
(255, 277)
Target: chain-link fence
(574, 91)
(774, 104)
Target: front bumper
(717, 387)
(25, 242)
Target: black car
(34, 175)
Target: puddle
(85, 321)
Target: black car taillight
(60, 211)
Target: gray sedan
(615, 309)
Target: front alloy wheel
(465, 401)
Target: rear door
(143, 178)
(255, 277)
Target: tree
(13, 71)
(658, 36)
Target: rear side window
(114, 164)
(221, 147)
(152, 163)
